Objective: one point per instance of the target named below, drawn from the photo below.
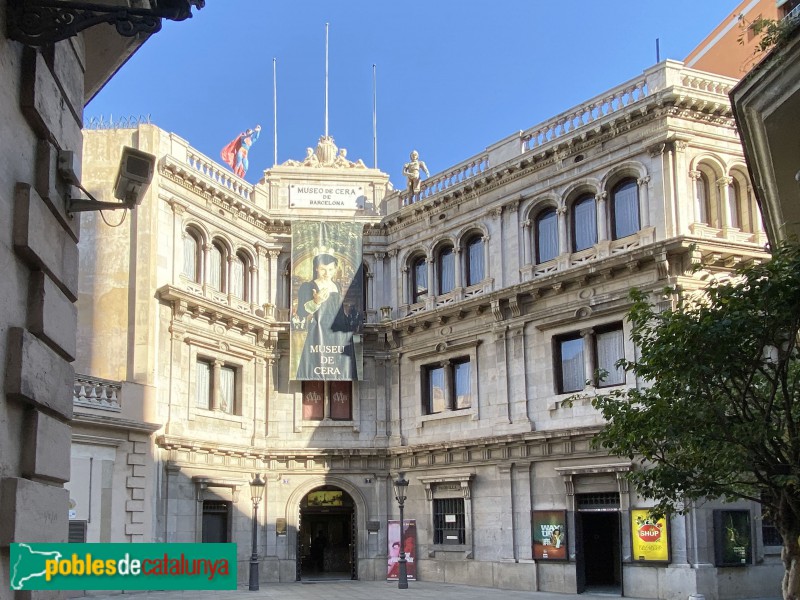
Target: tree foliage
(771, 33)
(720, 414)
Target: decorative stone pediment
(326, 154)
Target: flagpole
(326, 79)
(374, 118)
(275, 107)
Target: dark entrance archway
(598, 544)
(327, 535)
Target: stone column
(382, 393)
(407, 295)
(700, 215)
(273, 276)
(602, 216)
(505, 508)
(563, 246)
(430, 301)
(644, 201)
(252, 291)
(228, 283)
(398, 285)
(502, 407)
(679, 154)
(378, 293)
(206, 267)
(497, 213)
(216, 394)
(458, 267)
(724, 195)
(486, 265)
(526, 241)
(177, 239)
(588, 354)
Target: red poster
(409, 545)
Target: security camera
(134, 175)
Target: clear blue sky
(453, 76)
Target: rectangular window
(227, 389)
(332, 400)
(610, 348)
(203, 384)
(340, 400)
(437, 396)
(571, 366)
(449, 521)
(447, 386)
(590, 356)
(462, 383)
(313, 400)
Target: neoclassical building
(488, 297)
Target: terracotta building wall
(722, 52)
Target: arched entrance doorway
(327, 535)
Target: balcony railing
(93, 392)
(668, 80)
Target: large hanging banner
(650, 537)
(327, 292)
(409, 546)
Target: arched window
(191, 255)
(584, 223)
(446, 270)
(546, 235)
(419, 279)
(474, 268)
(702, 199)
(625, 209)
(240, 271)
(217, 276)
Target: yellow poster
(650, 537)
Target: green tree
(720, 416)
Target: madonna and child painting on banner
(327, 301)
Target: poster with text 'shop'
(327, 310)
(650, 537)
(549, 528)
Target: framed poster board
(410, 548)
(549, 531)
(649, 537)
(733, 538)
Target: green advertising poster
(327, 309)
(123, 567)
(733, 538)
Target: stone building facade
(45, 87)
(492, 294)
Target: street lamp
(400, 485)
(256, 492)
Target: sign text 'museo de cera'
(321, 195)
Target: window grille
(77, 532)
(448, 521)
(598, 501)
(210, 506)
